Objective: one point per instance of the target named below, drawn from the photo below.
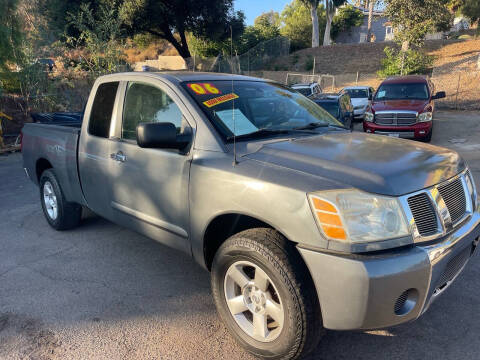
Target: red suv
(403, 107)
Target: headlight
(425, 117)
(369, 116)
(357, 217)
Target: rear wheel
(60, 214)
(265, 295)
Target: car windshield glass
(357, 93)
(247, 107)
(330, 106)
(418, 91)
(304, 91)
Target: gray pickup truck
(303, 224)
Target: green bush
(414, 62)
(10, 82)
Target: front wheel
(60, 214)
(265, 295)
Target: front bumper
(382, 290)
(416, 131)
(359, 113)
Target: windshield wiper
(317, 125)
(259, 133)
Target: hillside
(367, 57)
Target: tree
(471, 9)
(346, 18)
(313, 6)
(10, 33)
(296, 26)
(172, 19)
(371, 4)
(100, 34)
(330, 7)
(413, 19)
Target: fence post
(313, 69)
(458, 87)
(356, 80)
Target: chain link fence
(461, 82)
(257, 58)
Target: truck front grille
(424, 214)
(396, 118)
(455, 199)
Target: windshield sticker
(204, 88)
(381, 94)
(241, 126)
(220, 99)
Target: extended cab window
(102, 109)
(146, 103)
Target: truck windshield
(330, 106)
(417, 91)
(357, 93)
(249, 107)
(304, 91)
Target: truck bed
(51, 145)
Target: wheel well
(224, 226)
(41, 166)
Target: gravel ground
(103, 292)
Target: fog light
(406, 302)
(422, 132)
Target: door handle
(119, 156)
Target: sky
(253, 8)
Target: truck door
(150, 186)
(94, 148)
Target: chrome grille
(454, 196)
(396, 118)
(423, 213)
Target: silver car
(361, 97)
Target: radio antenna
(235, 162)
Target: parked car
(403, 107)
(303, 224)
(308, 90)
(361, 97)
(339, 106)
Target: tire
(60, 214)
(428, 138)
(288, 336)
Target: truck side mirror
(439, 95)
(160, 135)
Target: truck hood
(412, 105)
(372, 163)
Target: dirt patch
(26, 338)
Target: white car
(308, 89)
(361, 97)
